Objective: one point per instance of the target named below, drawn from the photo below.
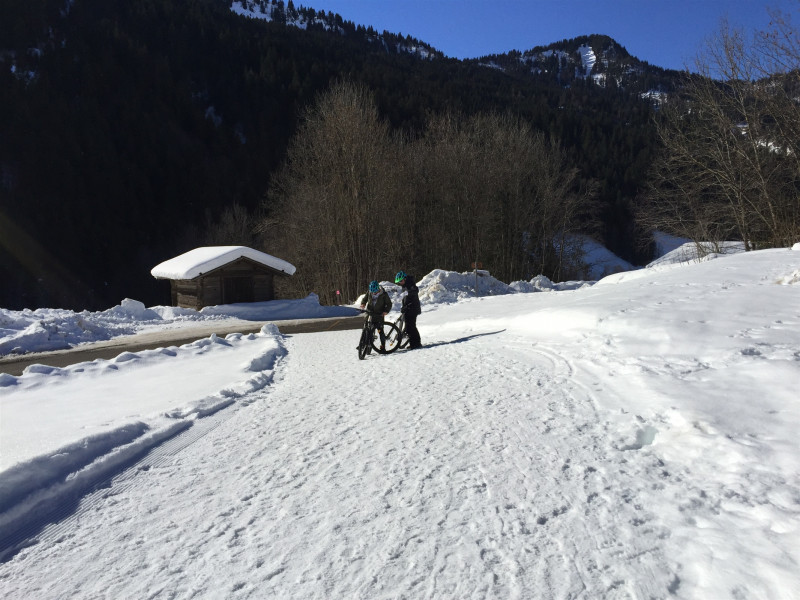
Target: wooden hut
(215, 275)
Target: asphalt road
(15, 365)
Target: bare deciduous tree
(495, 192)
(235, 227)
(729, 167)
(358, 202)
(337, 193)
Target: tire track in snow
(400, 474)
(60, 510)
(582, 505)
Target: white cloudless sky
(665, 33)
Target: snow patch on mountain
(588, 59)
(270, 11)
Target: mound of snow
(541, 283)
(691, 252)
(54, 329)
(446, 287)
(599, 260)
(47, 329)
(132, 310)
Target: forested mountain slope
(128, 128)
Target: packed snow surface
(636, 438)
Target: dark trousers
(411, 330)
(377, 322)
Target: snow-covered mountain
(306, 18)
(595, 58)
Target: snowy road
(633, 439)
(386, 478)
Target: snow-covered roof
(202, 260)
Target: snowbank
(47, 329)
(448, 287)
(87, 439)
(689, 252)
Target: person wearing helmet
(411, 307)
(377, 304)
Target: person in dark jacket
(377, 305)
(411, 307)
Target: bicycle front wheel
(363, 344)
(392, 335)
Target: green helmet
(400, 276)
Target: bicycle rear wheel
(401, 327)
(392, 335)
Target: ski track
(473, 486)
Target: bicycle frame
(393, 336)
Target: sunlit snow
(631, 438)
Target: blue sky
(665, 33)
